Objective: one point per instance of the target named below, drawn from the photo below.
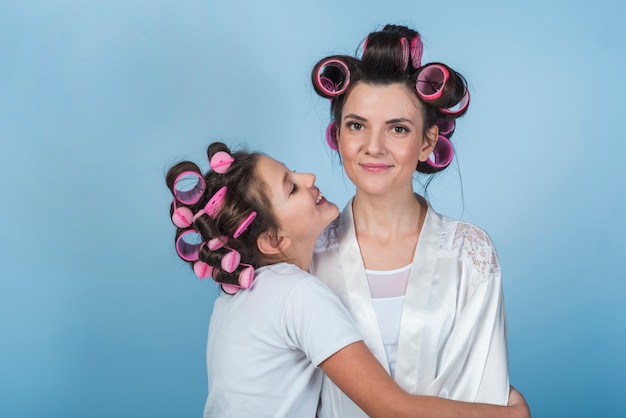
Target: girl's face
(301, 210)
(381, 138)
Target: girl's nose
(308, 179)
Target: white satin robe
(453, 340)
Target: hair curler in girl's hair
(188, 245)
(182, 216)
(244, 224)
(202, 270)
(244, 280)
(220, 161)
(331, 77)
(231, 260)
(188, 187)
(209, 243)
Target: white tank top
(388, 289)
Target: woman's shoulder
(456, 234)
(329, 237)
(469, 242)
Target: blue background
(99, 318)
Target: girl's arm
(362, 378)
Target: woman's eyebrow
(357, 117)
(399, 120)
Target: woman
(425, 290)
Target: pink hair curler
(202, 270)
(332, 77)
(182, 216)
(231, 260)
(416, 52)
(220, 162)
(216, 202)
(244, 280)
(364, 46)
(442, 154)
(244, 225)
(446, 127)
(431, 81)
(189, 187)
(331, 136)
(216, 243)
(404, 45)
(188, 245)
(460, 107)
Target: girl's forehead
(271, 171)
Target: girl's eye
(294, 188)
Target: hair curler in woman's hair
(446, 126)
(331, 77)
(460, 107)
(442, 154)
(407, 52)
(442, 87)
(404, 45)
(331, 136)
(416, 51)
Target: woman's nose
(375, 142)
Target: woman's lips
(375, 168)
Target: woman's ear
(271, 245)
(429, 142)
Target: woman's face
(301, 210)
(381, 138)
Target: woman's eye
(400, 129)
(294, 188)
(355, 126)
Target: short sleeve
(316, 322)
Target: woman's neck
(390, 215)
(388, 230)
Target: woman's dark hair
(384, 62)
(245, 193)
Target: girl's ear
(430, 140)
(271, 245)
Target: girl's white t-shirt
(265, 344)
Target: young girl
(251, 224)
